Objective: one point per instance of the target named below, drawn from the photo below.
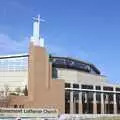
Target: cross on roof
(38, 19)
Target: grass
(107, 118)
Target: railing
(91, 90)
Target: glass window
(98, 96)
(87, 87)
(54, 73)
(108, 88)
(98, 88)
(117, 89)
(75, 85)
(67, 85)
(14, 64)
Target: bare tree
(6, 89)
(4, 97)
(18, 90)
(1, 92)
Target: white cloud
(67, 51)
(10, 46)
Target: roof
(13, 56)
(64, 62)
(71, 63)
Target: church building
(70, 85)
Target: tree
(6, 89)
(4, 97)
(1, 92)
(25, 91)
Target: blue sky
(84, 29)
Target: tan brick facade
(43, 92)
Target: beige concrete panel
(75, 76)
(94, 108)
(67, 75)
(80, 108)
(90, 78)
(13, 79)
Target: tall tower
(36, 37)
(43, 91)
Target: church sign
(28, 112)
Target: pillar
(71, 101)
(102, 100)
(114, 101)
(80, 101)
(94, 102)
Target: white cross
(38, 19)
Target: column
(80, 101)
(94, 102)
(71, 101)
(114, 101)
(102, 100)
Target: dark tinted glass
(108, 88)
(117, 89)
(75, 85)
(67, 85)
(87, 87)
(98, 87)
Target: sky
(84, 29)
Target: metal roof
(79, 62)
